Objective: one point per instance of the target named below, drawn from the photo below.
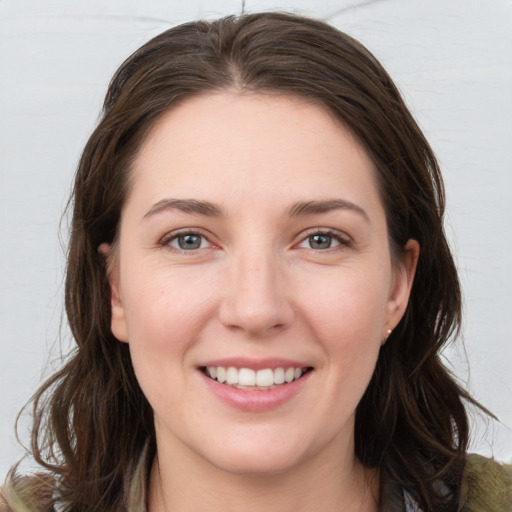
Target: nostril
(254, 298)
(255, 316)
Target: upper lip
(255, 364)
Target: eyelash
(166, 240)
(341, 239)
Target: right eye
(320, 241)
(186, 241)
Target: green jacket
(487, 488)
(488, 485)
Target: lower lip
(256, 400)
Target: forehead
(254, 144)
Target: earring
(388, 332)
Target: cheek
(166, 308)
(348, 305)
(347, 322)
(165, 315)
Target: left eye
(188, 241)
(320, 241)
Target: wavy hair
(91, 419)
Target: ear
(401, 286)
(117, 312)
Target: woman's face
(253, 247)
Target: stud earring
(388, 332)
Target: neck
(330, 486)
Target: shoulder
(488, 485)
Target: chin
(254, 459)
(255, 466)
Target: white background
(451, 59)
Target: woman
(259, 286)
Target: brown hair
(91, 418)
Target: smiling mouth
(249, 379)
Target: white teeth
(246, 378)
(289, 374)
(279, 376)
(265, 378)
(231, 376)
(221, 374)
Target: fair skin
(254, 237)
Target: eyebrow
(300, 209)
(305, 208)
(185, 205)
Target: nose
(255, 298)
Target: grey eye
(320, 241)
(188, 242)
